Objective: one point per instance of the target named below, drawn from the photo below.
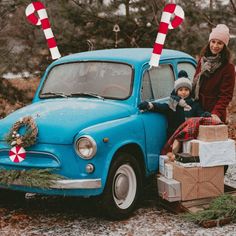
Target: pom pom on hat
(183, 81)
(220, 32)
(182, 73)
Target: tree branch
(233, 5)
(207, 18)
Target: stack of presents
(198, 171)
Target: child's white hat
(183, 81)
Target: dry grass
(28, 85)
(16, 93)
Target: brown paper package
(194, 148)
(210, 133)
(199, 182)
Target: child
(181, 105)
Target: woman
(215, 75)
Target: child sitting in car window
(181, 105)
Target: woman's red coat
(217, 91)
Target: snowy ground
(230, 177)
(60, 216)
(147, 221)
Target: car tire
(123, 187)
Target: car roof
(126, 55)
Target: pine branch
(89, 11)
(41, 178)
(222, 207)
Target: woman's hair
(225, 53)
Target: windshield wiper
(86, 95)
(53, 94)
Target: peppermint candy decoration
(166, 24)
(43, 20)
(17, 154)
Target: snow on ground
(149, 221)
(53, 216)
(10, 75)
(230, 177)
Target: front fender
(119, 133)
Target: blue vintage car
(90, 129)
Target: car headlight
(86, 147)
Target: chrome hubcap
(124, 186)
(121, 186)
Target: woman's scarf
(208, 66)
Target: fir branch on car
(40, 178)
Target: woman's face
(216, 46)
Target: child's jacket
(176, 118)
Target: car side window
(161, 82)
(147, 93)
(188, 67)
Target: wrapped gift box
(162, 160)
(199, 182)
(192, 164)
(191, 147)
(169, 189)
(168, 170)
(186, 158)
(217, 153)
(186, 146)
(194, 147)
(211, 133)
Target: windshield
(92, 79)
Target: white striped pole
(165, 24)
(43, 20)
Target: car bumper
(72, 184)
(78, 184)
(61, 161)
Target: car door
(157, 85)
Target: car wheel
(123, 187)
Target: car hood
(59, 120)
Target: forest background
(82, 25)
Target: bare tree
(233, 4)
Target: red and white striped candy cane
(165, 24)
(43, 20)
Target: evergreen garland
(223, 207)
(41, 178)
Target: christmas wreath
(14, 138)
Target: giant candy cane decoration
(165, 24)
(43, 20)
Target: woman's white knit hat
(183, 81)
